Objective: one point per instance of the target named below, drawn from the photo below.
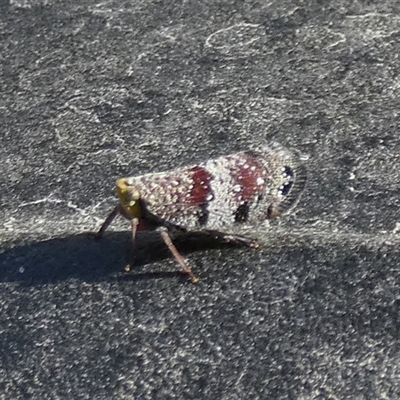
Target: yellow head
(129, 196)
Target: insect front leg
(134, 227)
(178, 256)
(118, 210)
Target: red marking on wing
(250, 175)
(201, 185)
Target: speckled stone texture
(92, 91)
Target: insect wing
(225, 193)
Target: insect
(222, 197)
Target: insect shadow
(82, 257)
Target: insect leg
(178, 257)
(107, 222)
(234, 239)
(134, 225)
(117, 210)
(241, 241)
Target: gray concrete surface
(91, 91)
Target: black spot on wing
(285, 188)
(296, 177)
(203, 214)
(242, 213)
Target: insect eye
(133, 193)
(129, 182)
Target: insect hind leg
(178, 256)
(235, 239)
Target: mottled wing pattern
(224, 193)
(238, 182)
(178, 197)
